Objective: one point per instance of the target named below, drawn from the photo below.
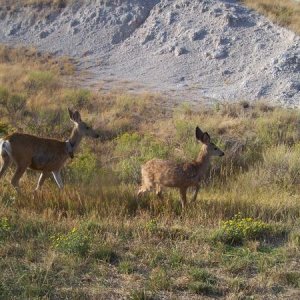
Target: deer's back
(37, 152)
(171, 174)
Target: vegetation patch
(76, 241)
(238, 230)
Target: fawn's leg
(158, 191)
(196, 193)
(57, 178)
(146, 186)
(183, 197)
(42, 178)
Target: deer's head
(82, 128)
(211, 148)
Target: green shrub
(203, 288)
(78, 98)
(4, 95)
(278, 128)
(133, 150)
(105, 253)
(141, 295)
(125, 267)
(203, 275)
(238, 230)
(281, 166)
(41, 80)
(5, 227)
(15, 103)
(152, 226)
(76, 241)
(49, 122)
(83, 167)
(159, 279)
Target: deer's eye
(87, 127)
(216, 148)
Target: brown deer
(42, 154)
(158, 173)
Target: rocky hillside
(190, 49)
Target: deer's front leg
(42, 178)
(57, 178)
(183, 196)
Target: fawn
(42, 154)
(158, 173)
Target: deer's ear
(205, 138)
(70, 113)
(199, 134)
(76, 116)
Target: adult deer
(158, 173)
(42, 154)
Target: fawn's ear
(205, 138)
(199, 134)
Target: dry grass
(96, 240)
(284, 12)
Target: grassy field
(96, 240)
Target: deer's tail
(5, 148)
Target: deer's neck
(203, 159)
(75, 138)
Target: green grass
(96, 239)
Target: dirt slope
(191, 49)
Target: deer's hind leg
(17, 176)
(5, 163)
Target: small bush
(76, 241)
(204, 282)
(41, 80)
(4, 95)
(105, 253)
(5, 227)
(134, 150)
(281, 166)
(78, 98)
(159, 279)
(238, 230)
(203, 275)
(15, 103)
(83, 168)
(141, 295)
(289, 278)
(203, 288)
(125, 267)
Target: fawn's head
(211, 148)
(82, 128)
